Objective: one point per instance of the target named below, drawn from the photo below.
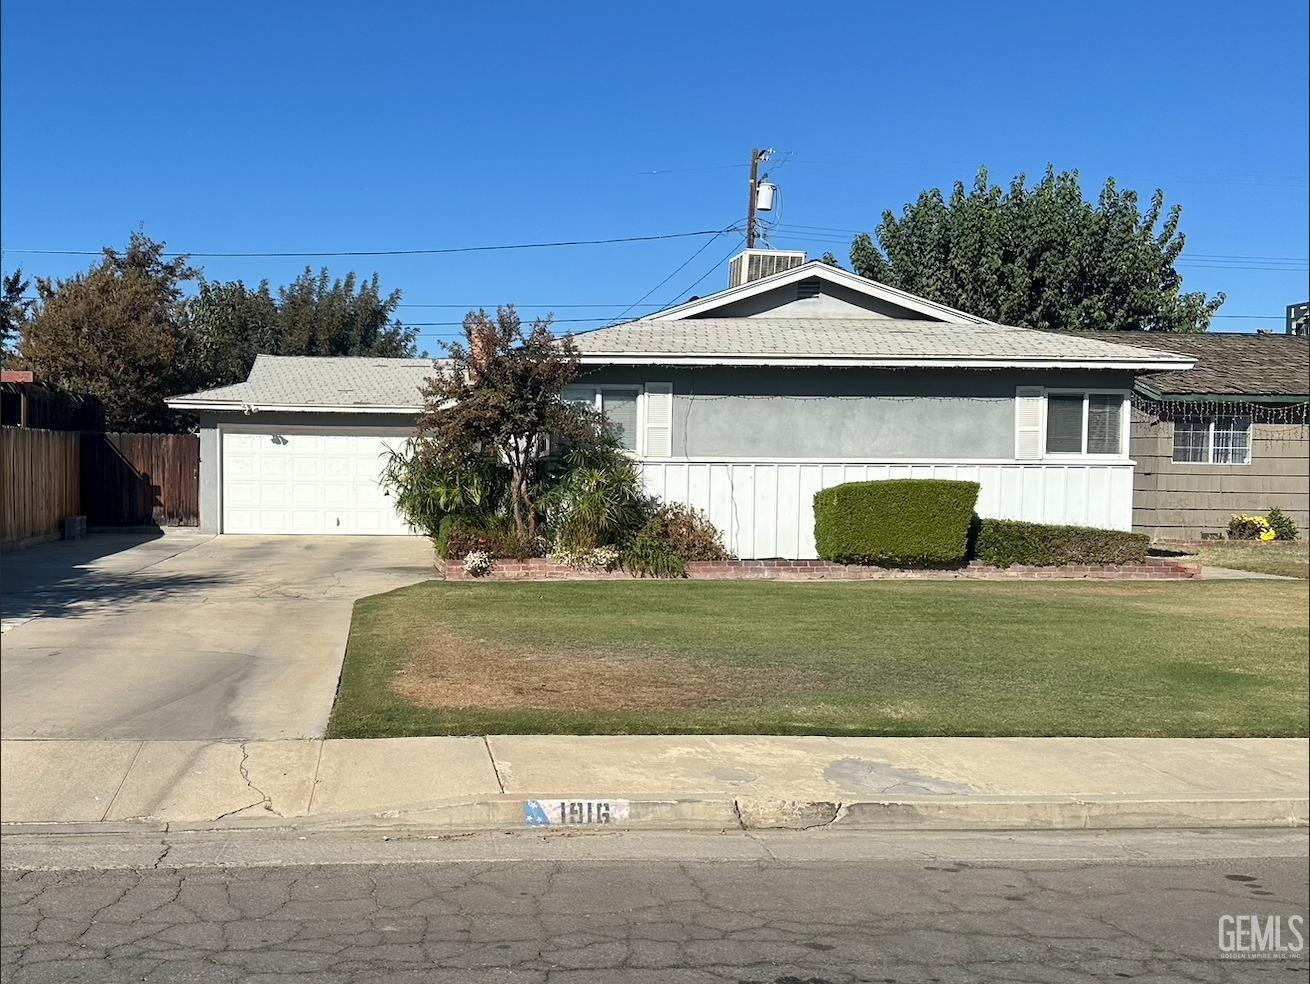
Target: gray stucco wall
(210, 508)
(847, 413)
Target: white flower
(478, 564)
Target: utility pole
(758, 157)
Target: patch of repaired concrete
(858, 776)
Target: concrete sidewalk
(694, 782)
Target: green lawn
(885, 658)
(1288, 559)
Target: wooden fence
(141, 479)
(41, 482)
(112, 479)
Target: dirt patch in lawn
(470, 674)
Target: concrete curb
(974, 813)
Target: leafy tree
(313, 315)
(117, 332)
(321, 316)
(15, 306)
(493, 405)
(1040, 257)
(231, 324)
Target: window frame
(1211, 422)
(1086, 392)
(598, 401)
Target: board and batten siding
(766, 508)
(1182, 501)
(750, 447)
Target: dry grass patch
(456, 673)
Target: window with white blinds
(1064, 423)
(621, 406)
(1068, 422)
(1104, 427)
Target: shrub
(689, 533)
(479, 563)
(598, 501)
(461, 534)
(897, 523)
(1249, 528)
(1003, 542)
(426, 491)
(649, 554)
(1282, 525)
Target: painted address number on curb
(584, 813)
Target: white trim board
(227, 406)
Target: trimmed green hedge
(1003, 542)
(896, 523)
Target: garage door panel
(308, 483)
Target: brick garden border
(543, 569)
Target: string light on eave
(1260, 413)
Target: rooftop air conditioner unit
(755, 264)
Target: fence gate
(141, 479)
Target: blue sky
(331, 126)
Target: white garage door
(294, 482)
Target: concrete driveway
(185, 636)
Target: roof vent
(755, 264)
(807, 289)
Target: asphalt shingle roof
(845, 338)
(285, 380)
(1229, 364)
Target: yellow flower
(1267, 535)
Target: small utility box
(74, 527)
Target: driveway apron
(185, 636)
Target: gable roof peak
(704, 306)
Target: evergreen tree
(1040, 257)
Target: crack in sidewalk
(265, 800)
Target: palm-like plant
(598, 501)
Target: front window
(1084, 423)
(617, 403)
(1213, 440)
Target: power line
(397, 252)
(691, 287)
(474, 307)
(682, 266)
(1196, 261)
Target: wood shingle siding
(1181, 501)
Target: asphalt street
(795, 909)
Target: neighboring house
(742, 404)
(1229, 436)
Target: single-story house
(1228, 436)
(742, 404)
